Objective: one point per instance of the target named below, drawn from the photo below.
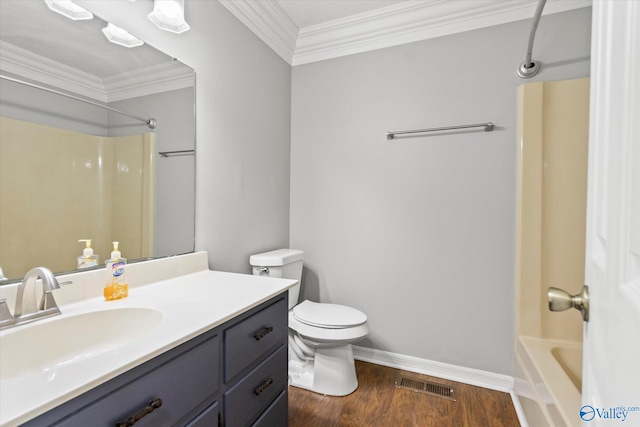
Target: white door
(611, 367)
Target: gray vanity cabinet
(209, 417)
(234, 375)
(255, 367)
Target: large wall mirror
(72, 170)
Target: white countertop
(191, 304)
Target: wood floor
(378, 402)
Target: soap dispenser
(87, 259)
(116, 286)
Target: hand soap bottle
(87, 259)
(116, 286)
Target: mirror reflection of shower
(150, 122)
(102, 188)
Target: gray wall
(175, 176)
(243, 95)
(419, 232)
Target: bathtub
(549, 381)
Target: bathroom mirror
(45, 199)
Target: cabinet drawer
(254, 337)
(255, 392)
(182, 383)
(276, 415)
(208, 417)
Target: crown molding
(413, 21)
(269, 22)
(30, 66)
(165, 77)
(394, 25)
(27, 65)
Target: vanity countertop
(189, 304)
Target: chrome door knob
(560, 300)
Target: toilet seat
(315, 336)
(321, 324)
(329, 316)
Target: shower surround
(551, 205)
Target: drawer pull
(154, 404)
(264, 332)
(264, 386)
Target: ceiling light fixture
(69, 9)
(168, 15)
(119, 36)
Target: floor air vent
(427, 387)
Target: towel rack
(488, 127)
(176, 153)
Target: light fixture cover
(69, 9)
(169, 15)
(119, 36)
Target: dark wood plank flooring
(378, 402)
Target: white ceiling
(31, 26)
(45, 47)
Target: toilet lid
(328, 315)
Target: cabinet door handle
(154, 404)
(264, 386)
(263, 332)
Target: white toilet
(320, 335)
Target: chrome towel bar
(488, 127)
(176, 153)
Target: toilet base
(331, 371)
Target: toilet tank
(283, 263)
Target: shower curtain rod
(530, 68)
(152, 123)
(488, 127)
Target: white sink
(48, 344)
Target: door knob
(560, 300)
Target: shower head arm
(530, 68)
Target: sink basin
(46, 345)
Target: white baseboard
(519, 411)
(460, 374)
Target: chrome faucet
(47, 307)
